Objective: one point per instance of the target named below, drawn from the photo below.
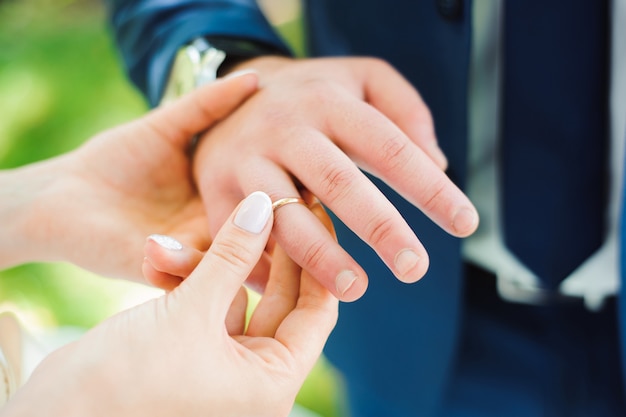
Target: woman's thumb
(231, 257)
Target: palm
(100, 202)
(150, 191)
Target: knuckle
(232, 255)
(395, 152)
(336, 180)
(280, 110)
(380, 231)
(315, 254)
(435, 195)
(318, 92)
(275, 116)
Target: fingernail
(406, 262)
(166, 242)
(344, 281)
(254, 212)
(240, 73)
(465, 221)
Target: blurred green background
(61, 81)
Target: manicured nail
(344, 281)
(166, 242)
(254, 212)
(465, 221)
(406, 262)
(240, 73)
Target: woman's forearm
(26, 215)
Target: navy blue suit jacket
(397, 344)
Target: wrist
(61, 385)
(28, 217)
(16, 197)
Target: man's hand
(315, 124)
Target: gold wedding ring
(287, 200)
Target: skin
(95, 206)
(314, 125)
(189, 351)
(180, 354)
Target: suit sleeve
(150, 32)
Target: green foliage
(60, 80)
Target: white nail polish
(166, 242)
(254, 212)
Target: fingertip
(248, 73)
(350, 286)
(410, 265)
(246, 78)
(254, 213)
(167, 255)
(165, 242)
(465, 221)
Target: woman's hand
(94, 206)
(179, 355)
